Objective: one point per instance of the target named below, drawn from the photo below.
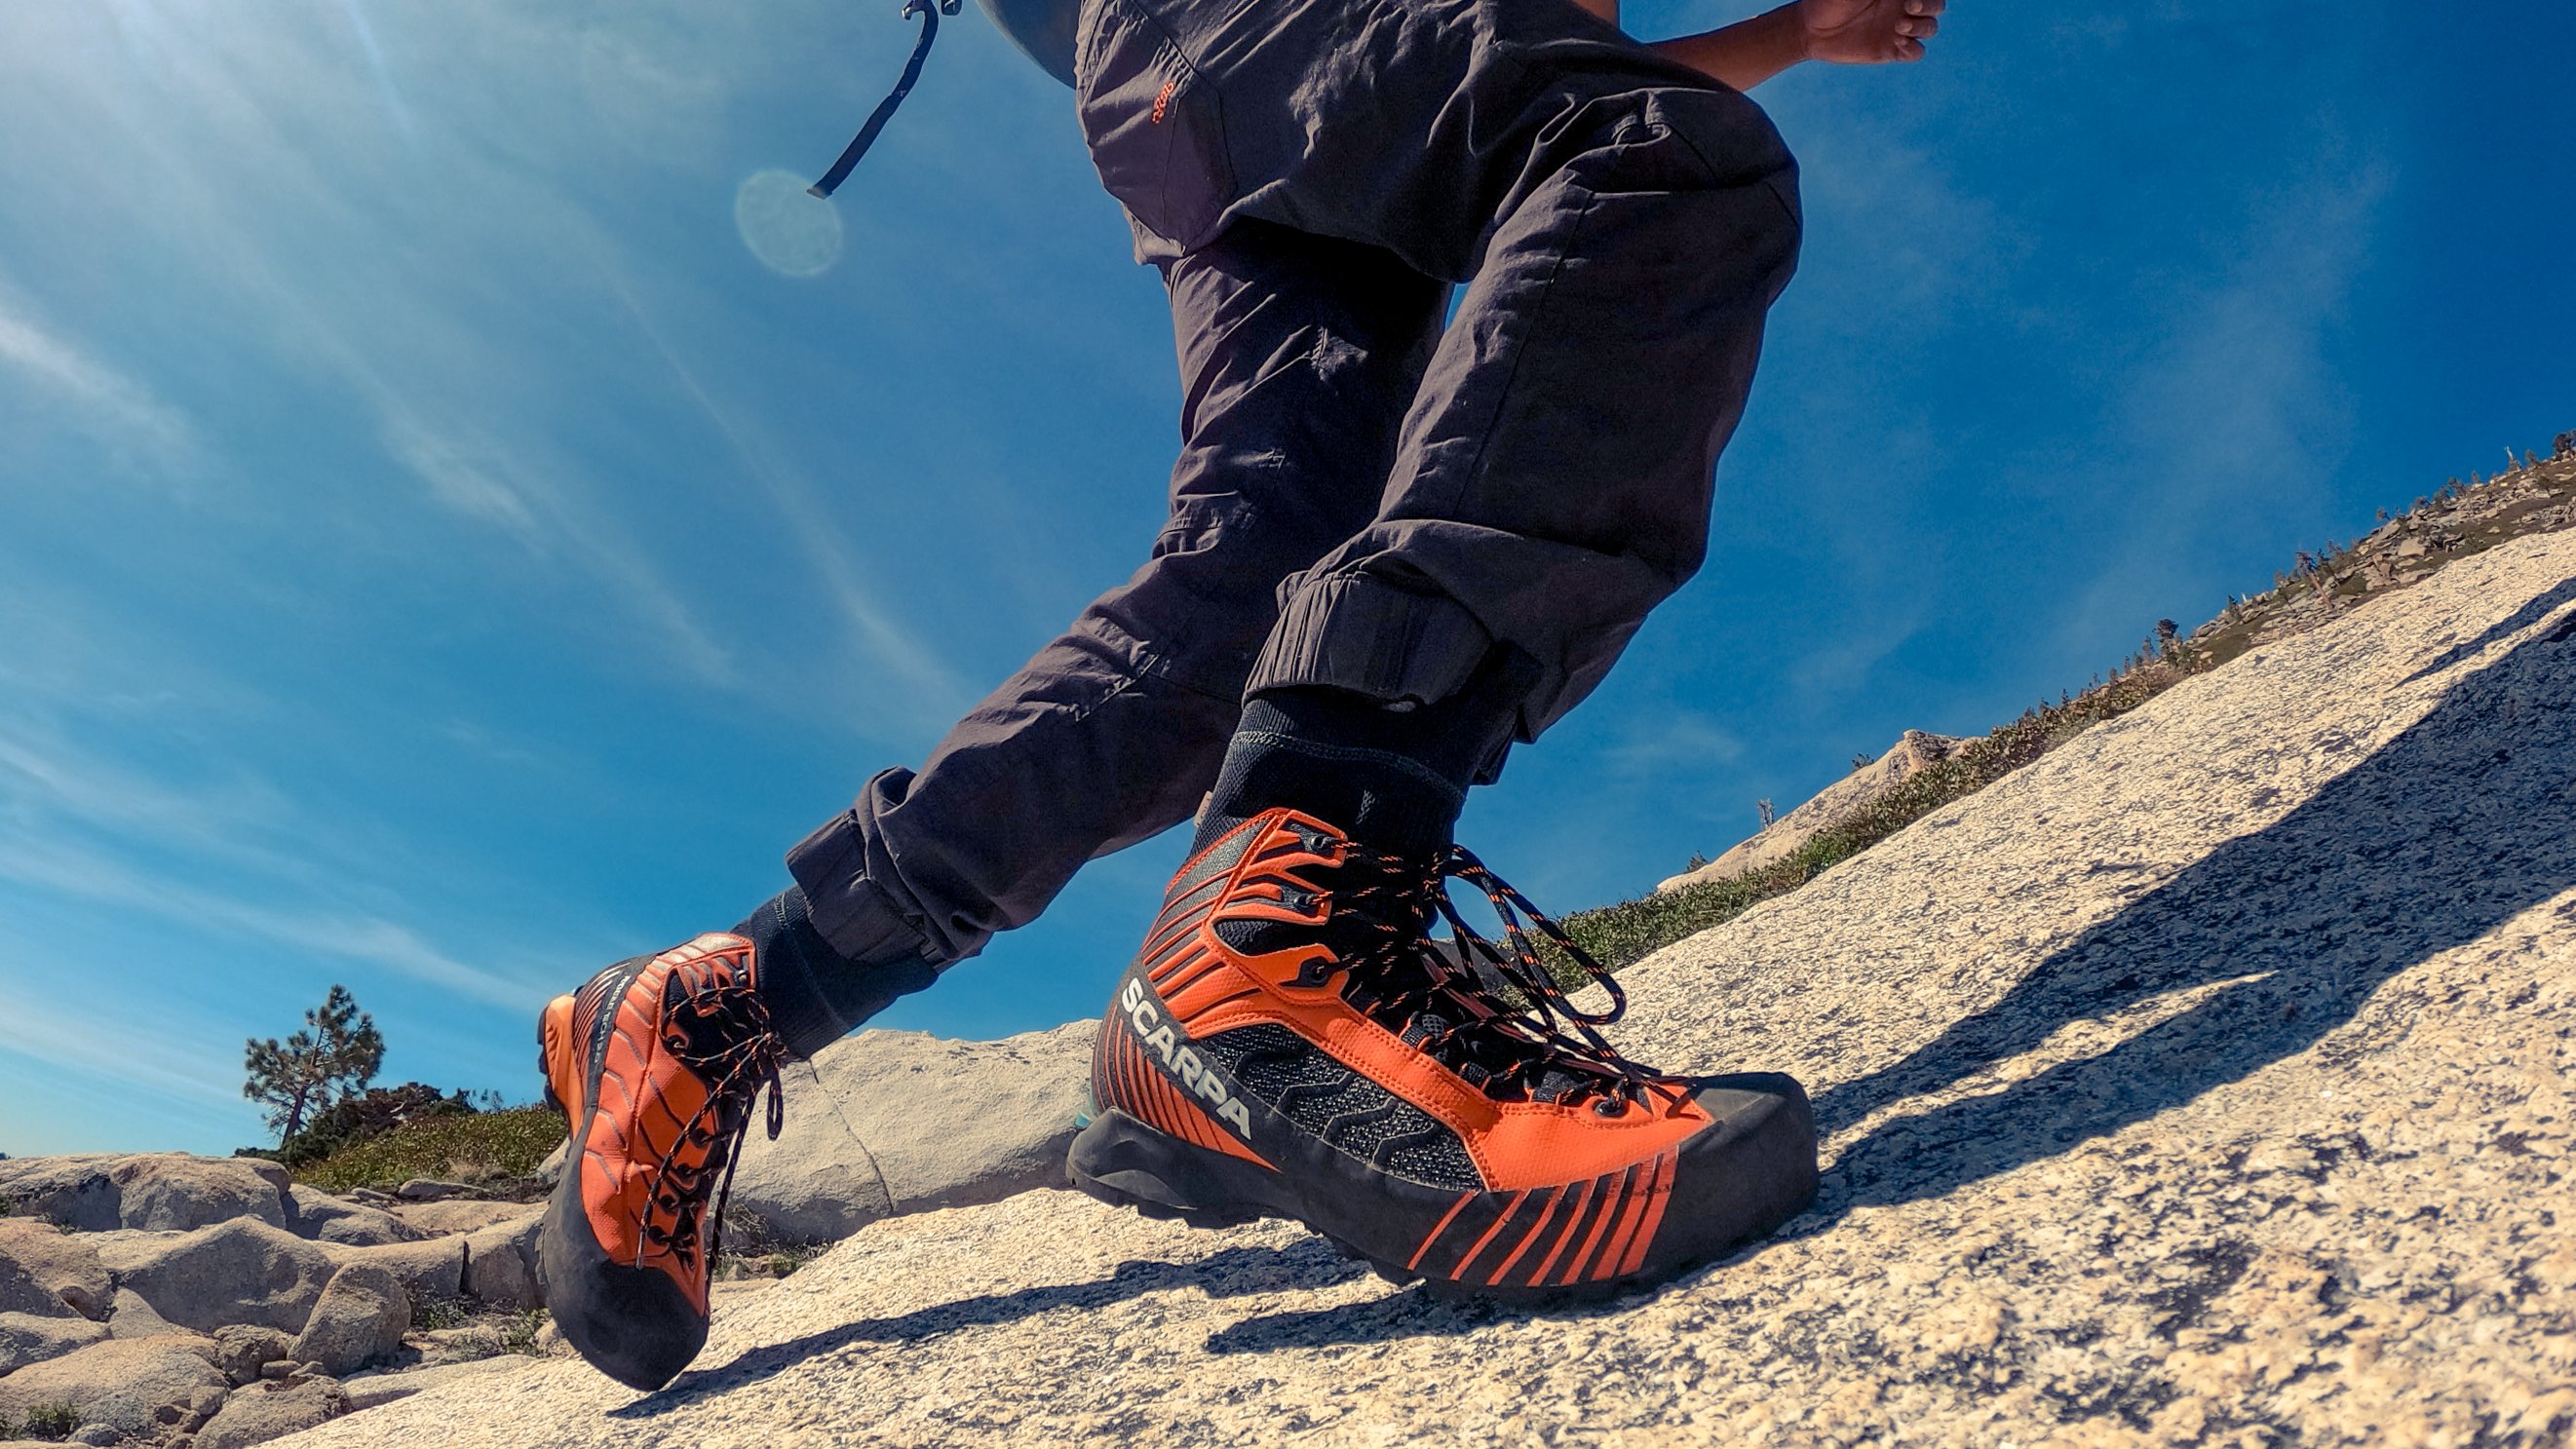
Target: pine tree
(333, 1058)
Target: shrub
(519, 1335)
(367, 1114)
(504, 1147)
(51, 1421)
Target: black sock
(815, 995)
(1391, 778)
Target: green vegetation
(354, 1119)
(750, 1250)
(500, 1150)
(429, 1314)
(45, 1421)
(519, 1333)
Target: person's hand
(1865, 32)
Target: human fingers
(1919, 27)
(1908, 48)
(1926, 7)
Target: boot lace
(1489, 1009)
(724, 1035)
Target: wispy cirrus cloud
(77, 826)
(931, 692)
(86, 392)
(64, 1040)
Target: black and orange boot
(1293, 1042)
(656, 1063)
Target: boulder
(550, 1171)
(243, 1271)
(154, 1191)
(462, 1215)
(48, 1272)
(327, 1219)
(257, 1415)
(129, 1316)
(886, 1122)
(430, 1268)
(1838, 802)
(242, 1350)
(137, 1387)
(360, 1318)
(27, 1338)
(500, 1264)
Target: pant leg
(1297, 355)
(1552, 482)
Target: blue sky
(438, 554)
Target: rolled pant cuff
(1374, 638)
(848, 910)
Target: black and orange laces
(736, 1075)
(1491, 1009)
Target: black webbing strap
(840, 172)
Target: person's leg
(1297, 355)
(1554, 477)
(1291, 1039)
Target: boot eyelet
(1608, 1107)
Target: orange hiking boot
(1292, 1042)
(656, 1062)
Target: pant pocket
(1155, 125)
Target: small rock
(129, 1316)
(280, 1370)
(243, 1350)
(255, 1416)
(500, 1264)
(327, 1219)
(430, 1268)
(98, 1436)
(202, 1405)
(27, 1338)
(369, 1197)
(430, 1189)
(550, 1172)
(360, 1317)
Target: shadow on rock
(1397, 1315)
(2446, 832)
(1229, 1273)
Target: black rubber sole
(1126, 1163)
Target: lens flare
(792, 233)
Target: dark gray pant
(1364, 499)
